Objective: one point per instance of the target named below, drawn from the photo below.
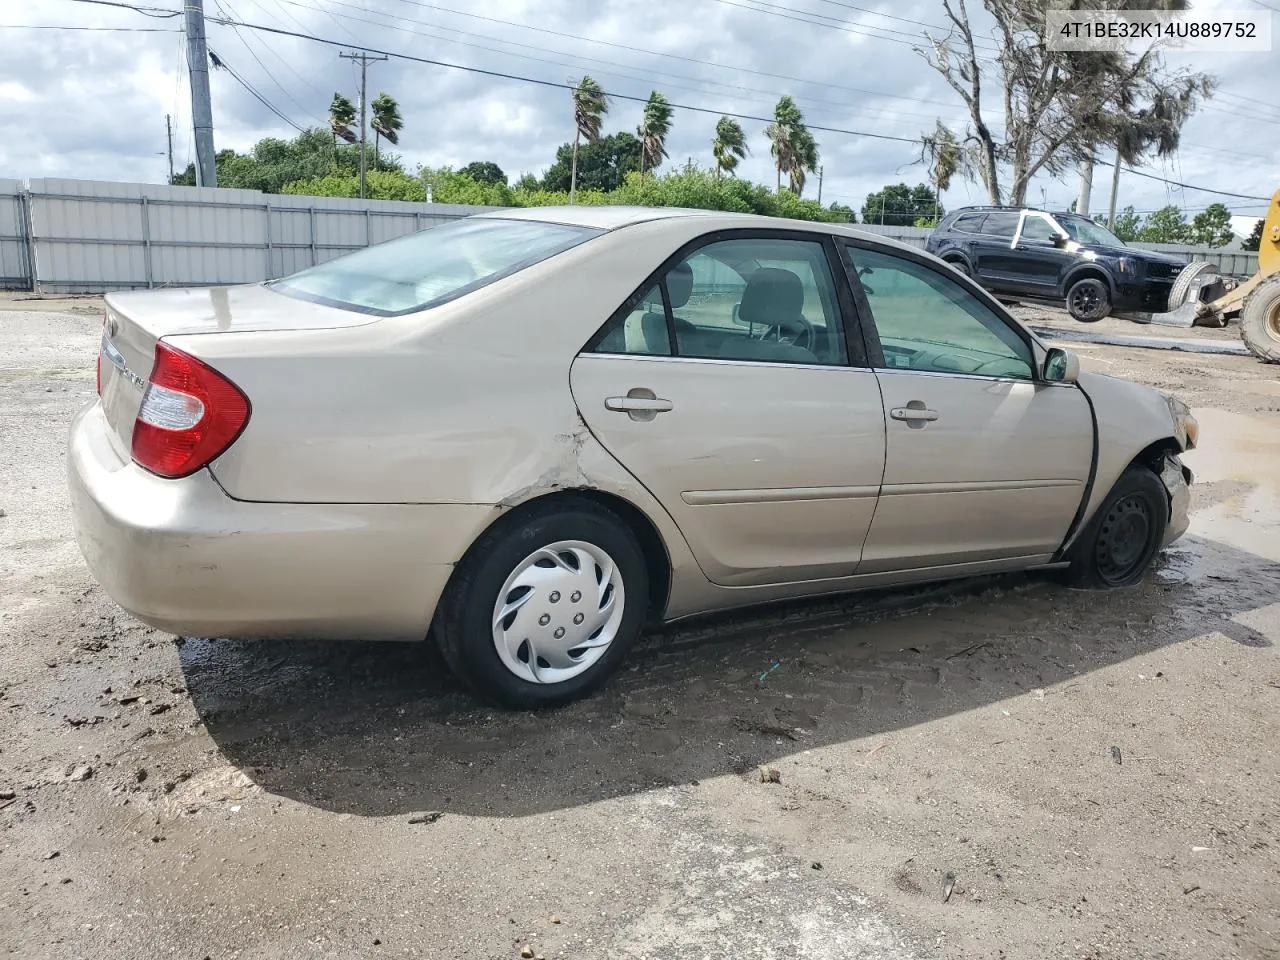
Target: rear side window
(1001, 224)
(968, 223)
(431, 267)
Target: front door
(983, 461)
(1039, 255)
(727, 389)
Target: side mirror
(1061, 366)
(1059, 240)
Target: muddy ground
(1096, 772)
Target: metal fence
(84, 236)
(78, 236)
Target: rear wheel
(545, 606)
(960, 267)
(1088, 300)
(1260, 321)
(1125, 535)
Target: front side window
(928, 322)
(764, 299)
(433, 266)
(1037, 228)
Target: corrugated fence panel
(15, 273)
(90, 236)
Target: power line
(228, 10)
(608, 71)
(59, 26)
(671, 56)
(548, 83)
(1185, 186)
(282, 59)
(159, 13)
(222, 64)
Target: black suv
(1055, 256)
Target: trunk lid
(136, 320)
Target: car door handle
(913, 414)
(638, 404)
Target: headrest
(772, 296)
(680, 285)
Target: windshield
(1086, 231)
(431, 267)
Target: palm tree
(342, 114)
(786, 117)
(794, 150)
(590, 104)
(387, 122)
(655, 124)
(729, 146)
(804, 151)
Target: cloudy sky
(91, 103)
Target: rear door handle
(913, 414)
(638, 404)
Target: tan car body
(379, 449)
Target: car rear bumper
(185, 558)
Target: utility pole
(365, 60)
(819, 183)
(168, 133)
(201, 107)
(1115, 190)
(1086, 188)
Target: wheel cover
(1272, 320)
(1085, 299)
(1125, 539)
(558, 612)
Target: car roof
(614, 218)
(606, 217)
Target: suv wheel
(1088, 300)
(960, 267)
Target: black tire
(464, 628)
(1089, 300)
(1124, 536)
(1181, 288)
(1260, 321)
(960, 267)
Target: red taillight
(190, 414)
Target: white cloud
(92, 104)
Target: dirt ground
(1090, 775)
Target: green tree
(729, 146)
(590, 104)
(273, 163)
(1127, 226)
(387, 122)
(1211, 227)
(484, 171)
(792, 146)
(899, 205)
(1166, 225)
(1254, 241)
(602, 165)
(655, 125)
(342, 114)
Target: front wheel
(1088, 300)
(1125, 535)
(1260, 321)
(545, 606)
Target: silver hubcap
(558, 612)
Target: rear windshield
(431, 267)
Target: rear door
(984, 461)
(998, 264)
(728, 387)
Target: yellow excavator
(1201, 297)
